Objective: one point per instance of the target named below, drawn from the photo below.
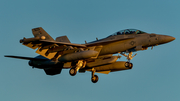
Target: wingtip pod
(24, 40)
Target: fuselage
(122, 41)
(133, 42)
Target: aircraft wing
(36, 43)
(50, 49)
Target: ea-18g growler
(96, 56)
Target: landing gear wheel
(72, 71)
(94, 79)
(128, 65)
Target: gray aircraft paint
(98, 54)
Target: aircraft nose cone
(171, 38)
(166, 39)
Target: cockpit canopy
(128, 32)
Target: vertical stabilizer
(39, 32)
(63, 39)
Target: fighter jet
(96, 57)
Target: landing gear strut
(94, 78)
(128, 64)
(129, 56)
(76, 66)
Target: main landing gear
(76, 66)
(94, 78)
(73, 71)
(80, 64)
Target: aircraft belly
(99, 62)
(67, 65)
(117, 66)
(78, 56)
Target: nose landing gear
(128, 64)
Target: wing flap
(45, 53)
(32, 46)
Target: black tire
(72, 71)
(95, 79)
(130, 66)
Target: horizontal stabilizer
(24, 58)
